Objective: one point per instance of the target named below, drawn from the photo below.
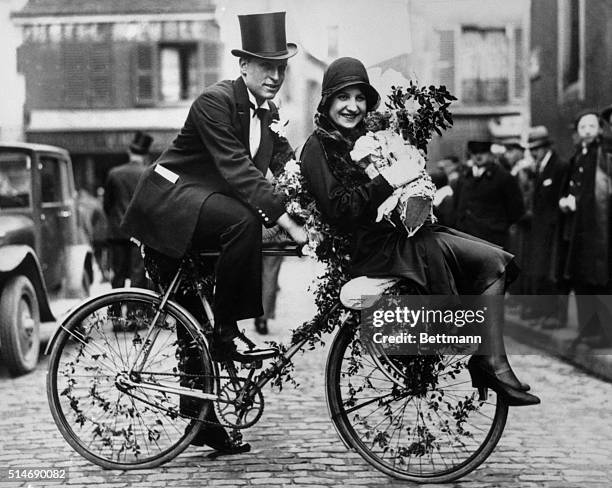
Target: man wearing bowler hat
(126, 261)
(209, 190)
(487, 198)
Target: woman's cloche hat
(263, 37)
(345, 72)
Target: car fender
(79, 259)
(22, 260)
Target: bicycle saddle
(363, 292)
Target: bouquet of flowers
(399, 136)
(300, 205)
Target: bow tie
(259, 111)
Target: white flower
(279, 127)
(412, 106)
(292, 167)
(367, 145)
(294, 208)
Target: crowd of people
(552, 214)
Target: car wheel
(19, 325)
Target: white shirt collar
(545, 160)
(254, 102)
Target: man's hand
(297, 232)
(568, 204)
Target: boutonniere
(279, 125)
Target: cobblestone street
(564, 442)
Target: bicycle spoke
(416, 430)
(90, 366)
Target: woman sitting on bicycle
(439, 260)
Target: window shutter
(145, 85)
(446, 59)
(519, 64)
(74, 65)
(101, 75)
(212, 62)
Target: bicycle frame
(262, 379)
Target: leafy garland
(415, 112)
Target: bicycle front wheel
(95, 401)
(415, 418)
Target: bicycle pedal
(252, 365)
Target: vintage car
(41, 253)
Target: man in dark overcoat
(121, 182)
(586, 233)
(549, 171)
(487, 198)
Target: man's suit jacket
(487, 206)
(118, 192)
(546, 216)
(209, 155)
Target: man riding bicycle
(209, 190)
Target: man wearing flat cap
(487, 197)
(209, 189)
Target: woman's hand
(297, 232)
(398, 174)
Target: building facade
(97, 71)
(570, 63)
(477, 50)
(11, 82)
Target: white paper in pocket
(166, 173)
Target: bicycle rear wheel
(114, 425)
(425, 425)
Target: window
(50, 180)
(178, 72)
(87, 77)
(174, 72)
(15, 182)
(482, 65)
(571, 48)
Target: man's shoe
(222, 350)
(261, 326)
(551, 323)
(595, 341)
(217, 437)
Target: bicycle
(117, 379)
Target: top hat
(478, 147)
(263, 36)
(538, 137)
(141, 143)
(344, 72)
